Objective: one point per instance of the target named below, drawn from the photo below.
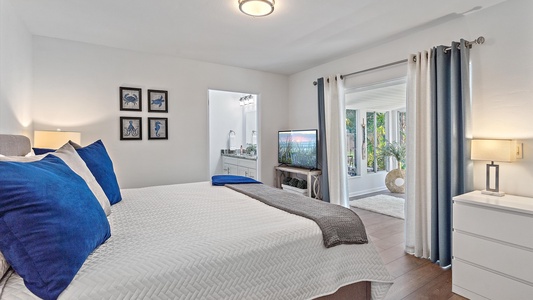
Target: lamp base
(497, 194)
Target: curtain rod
(371, 69)
(480, 40)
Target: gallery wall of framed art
(131, 127)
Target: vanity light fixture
(246, 100)
(257, 8)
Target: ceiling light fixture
(257, 8)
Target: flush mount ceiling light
(256, 8)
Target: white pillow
(4, 266)
(68, 154)
(31, 153)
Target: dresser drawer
(482, 284)
(516, 262)
(501, 225)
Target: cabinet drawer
(487, 284)
(501, 225)
(231, 160)
(516, 262)
(247, 163)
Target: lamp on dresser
(54, 139)
(494, 150)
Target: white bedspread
(196, 241)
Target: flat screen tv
(298, 148)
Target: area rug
(383, 204)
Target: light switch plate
(519, 150)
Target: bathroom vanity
(243, 165)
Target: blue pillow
(39, 151)
(219, 180)
(50, 222)
(98, 161)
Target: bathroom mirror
(251, 127)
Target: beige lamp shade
(54, 139)
(494, 150)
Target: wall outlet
(519, 150)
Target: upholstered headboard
(13, 145)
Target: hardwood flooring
(415, 278)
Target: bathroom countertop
(242, 156)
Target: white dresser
(492, 246)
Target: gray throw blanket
(339, 225)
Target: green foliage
(376, 133)
(251, 149)
(394, 149)
(351, 125)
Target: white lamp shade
(256, 8)
(54, 139)
(494, 150)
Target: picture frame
(130, 128)
(130, 99)
(158, 128)
(157, 101)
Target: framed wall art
(157, 101)
(130, 128)
(158, 128)
(130, 99)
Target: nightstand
(492, 246)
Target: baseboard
(368, 191)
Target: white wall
(15, 73)
(76, 87)
(502, 74)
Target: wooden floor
(415, 278)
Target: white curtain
(335, 127)
(418, 181)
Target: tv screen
(298, 148)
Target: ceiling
(379, 97)
(298, 35)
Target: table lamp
(493, 150)
(54, 139)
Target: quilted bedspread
(197, 241)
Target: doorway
(233, 133)
(375, 117)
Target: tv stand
(313, 178)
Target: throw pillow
(100, 164)
(69, 155)
(50, 222)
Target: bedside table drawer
(501, 225)
(516, 262)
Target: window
(376, 136)
(375, 114)
(402, 137)
(351, 141)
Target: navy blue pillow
(39, 151)
(219, 180)
(50, 222)
(98, 161)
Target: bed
(198, 241)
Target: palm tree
(394, 149)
